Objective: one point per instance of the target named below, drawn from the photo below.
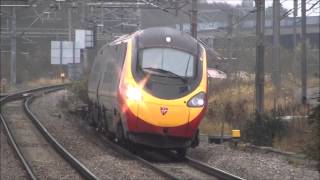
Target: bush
(313, 146)
(262, 129)
(80, 89)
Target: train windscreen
(167, 61)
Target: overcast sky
(288, 4)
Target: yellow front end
(152, 115)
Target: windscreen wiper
(162, 71)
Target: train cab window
(168, 61)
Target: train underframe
(97, 117)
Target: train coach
(150, 88)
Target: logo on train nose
(163, 110)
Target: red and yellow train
(150, 88)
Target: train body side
(104, 81)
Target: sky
(288, 4)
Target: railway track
(187, 168)
(171, 167)
(29, 145)
(220, 174)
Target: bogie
(120, 138)
(181, 152)
(91, 115)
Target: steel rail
(74, 162)
(58, 147)
(211, 170)
(78, 165)
(11, 96)
(203, 167)
(17, 150)
(124, 151)
(108, 142)
(190, 161)
(7, 98)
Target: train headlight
(198, 100)
(134, 93)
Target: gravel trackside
(45, 162)
(254, 165)
(10, 166)
(82, 142)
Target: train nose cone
(163, 118)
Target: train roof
(162, 36)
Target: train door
(105, 88)
(94, 78)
